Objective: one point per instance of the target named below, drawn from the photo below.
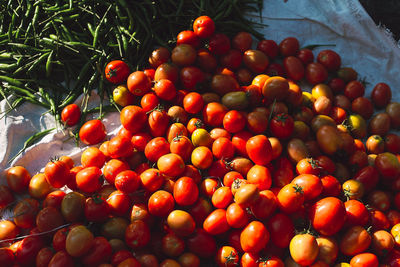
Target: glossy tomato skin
(133, 118)
(316, 73)
(188, 37)
(203, 26)
(330, 59)
(381, 95)
(282, 126)
(89, 179)
(71, 114)
(137, 234)
(364, 259)
(289, 46)
(216, 222)
(281, 229)
(117, 71)
(57, 173)
(254, 237)
(92, 132)
(259, 149)
(294, 68)
(328, 215)
(269, 47)
(27, 250)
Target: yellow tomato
(122, 96)
(200, 137)
(395, 231)
(353, 189)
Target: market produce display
(222, 159)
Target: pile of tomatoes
(221, 160)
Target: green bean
(21, 90)
(49, 66)
(11, 81)
(38, 61)
(8, 67)
(28, 47)
(96, 32)
(31, 140)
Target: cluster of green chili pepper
(52, 51)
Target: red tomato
(165, 89)
(381, 95)
(188, 37)
(186, 191)
(216, 222)
(119, 203)
(328, 215)
(289, 46)
(127, 181)
(219, 43)
(306, 56)
(259, 149)
(191, 78)
(330, 59)
(138, 83)
(311, 185)
(27, 250)
(294, 68)
(89, 179)
(71, 114)
(364, 260)
(203, 26)
(161, 203)
(193, 102)
(242, 41)
(156, 148)
(356, 213)
(133, 118)
(117, 71)
(57, 173)
(96, 209)
(281, 229)
(282, 126)
(316, 73)
(92, 132)
(254, 237)
(269, 47)
(137, 234)
(100, 252)
(290, 198)
(18, 178)
(202, 244)
(213, 114)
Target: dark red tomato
(269, 47)
(306, 56)
(96, 209)
(392, 143)
(42, 258)
(289, 46)
(362, 106)
(92, 132)
(368, 176)
(356, 213)
(265, 205)
(48, 219)
(186, 191)
(120, 256)
(7, 257)
(54, 199)
(275, 69)
(353, 90)
(338, 114)
(159, 56)
(161, 203)
(281, 126)
(294, 68)
(117, 71)
(191, 77)
(202, 244)
(57, 173)
(61, 258)
(219, 43)
(281, 229)
(203, 26)
(388, 165)
(71, 114)
(188, 37)
(381, 95)
(378, 220)
(137, 234)
(27, 250)
(239, 141)
(242, 41)
(232, 59)
(100, 252)
(89, 179)
(330, 59)
(337, 85)
(328, 215)
(316, 73)
(156, 148)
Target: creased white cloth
(369, 49)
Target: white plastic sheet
(362, 45)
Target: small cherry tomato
(117, 71)
(71, 114)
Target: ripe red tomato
(330, 59)
(381, 95)
(219, 43)
(242, 41)
(282, 126)
(18, 178)
(289, 46)
(100, 252)
(316, 73)
(188, 37)
(193, 102)
(269, 47)
(186, 191)
(71, 114)
(328, 215)
(281, 229)
(89, 179)
(203, 26)
(138, 83)
(290, 198)
(92, 132)
(216, 222)
(254, 237)
(294, 68)
(365, 259)
(96, 209)
(161, 203)
(259, 149)
(137, 234)
(57, 173)
(156, 148)
(305, 55)
(117, 71)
